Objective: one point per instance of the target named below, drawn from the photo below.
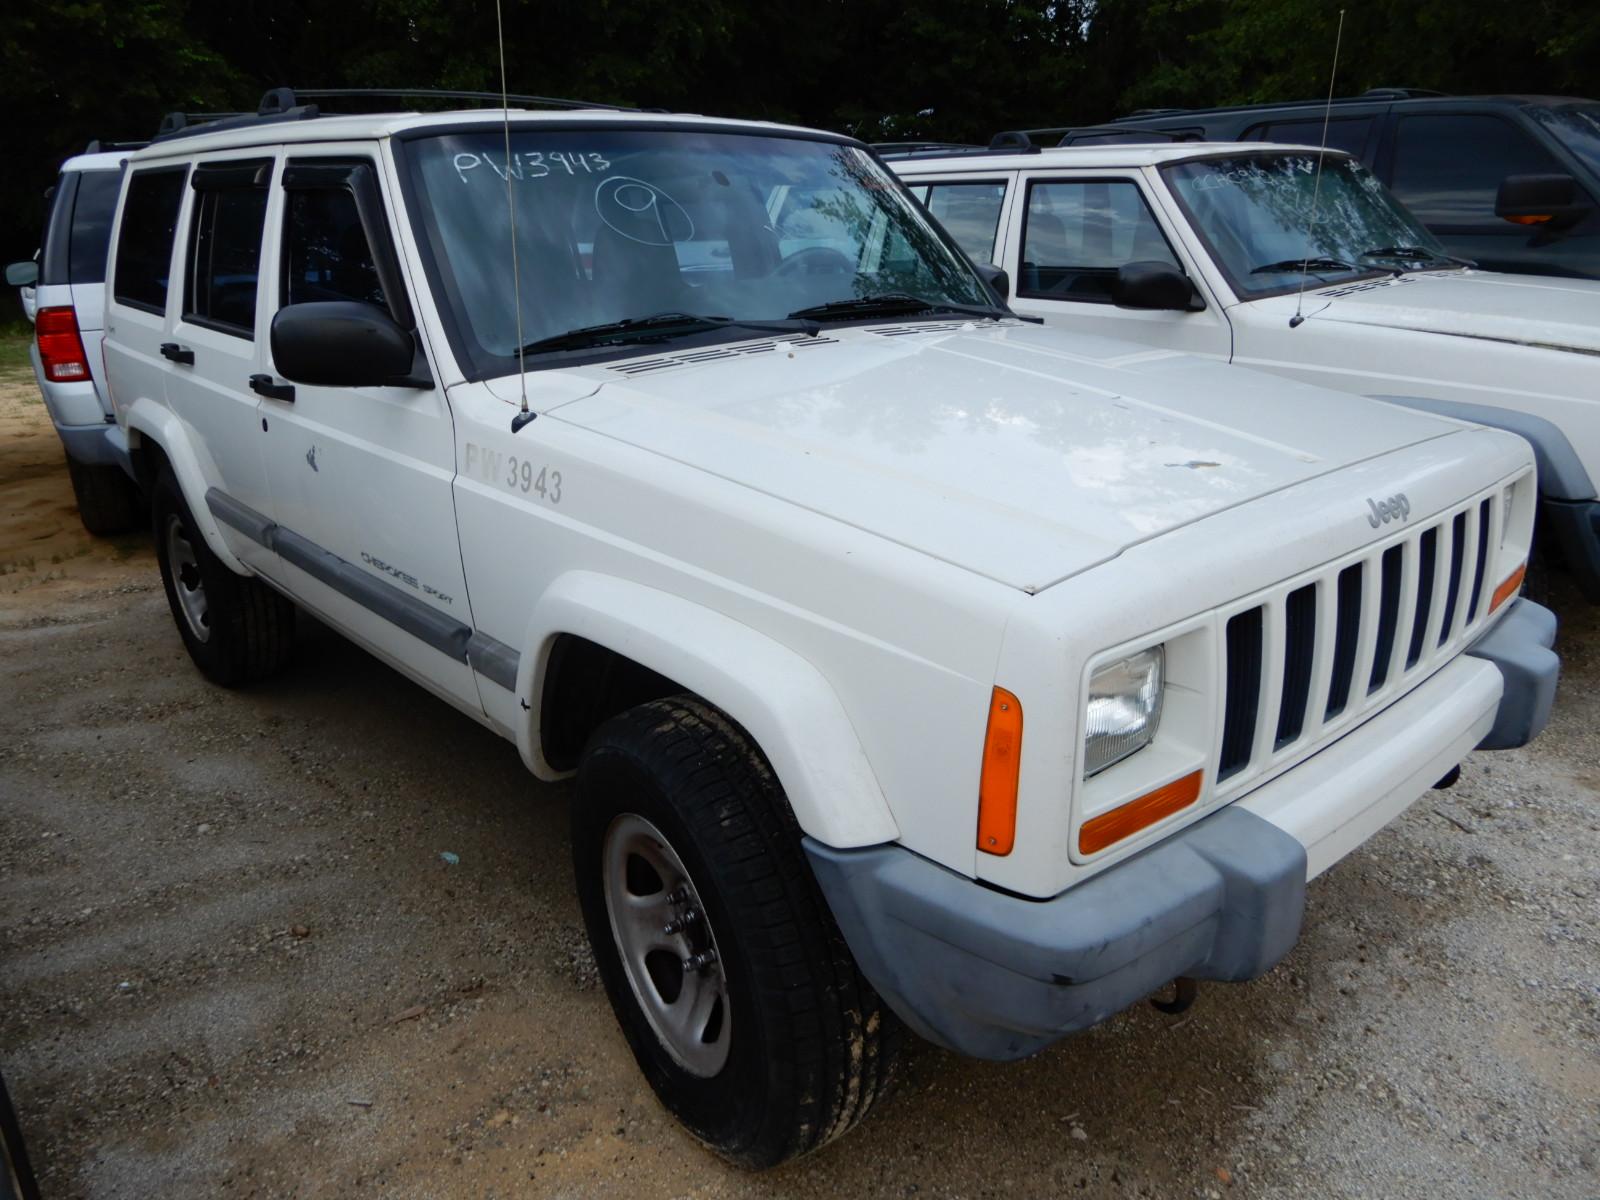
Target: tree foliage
(947, 69)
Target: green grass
(14, 339)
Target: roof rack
(904, 148)
(96, 146)
(1366, 97)
(289, 104)
(282, 99)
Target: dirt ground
(235, 963)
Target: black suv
(1512, 182)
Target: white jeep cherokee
(1200, 248)
(801, 526)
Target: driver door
(1073, 230)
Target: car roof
(107, 160)
(1100, 155)
(375, 126)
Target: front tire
(731, 982)
(236, 629)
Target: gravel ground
(237, 963)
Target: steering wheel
(816, 260)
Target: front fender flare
(779, 697)
(1561, 472)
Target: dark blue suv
(1512, 182)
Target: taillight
(60, 345)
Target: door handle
(263, 385)
(177, 353)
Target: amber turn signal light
(997, 787)
(1509, 587)
(1128, 819)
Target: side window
(325, 250)
(1076, 235)
(230, 210)
(1448, 168)
(144, 240)
(1344, 133)
(971, 212)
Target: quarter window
(1077, 234)
(225, 248)
(1448, 168)
(971, 214)
(326, 255)
(1344, 133)
(144, 241)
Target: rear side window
(971, 214)
(1078, 234)
(1344, 133)
(91, 225)
(325, 250)
(1448, 168)
(230, 211)
(144, 240)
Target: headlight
(1124, 709)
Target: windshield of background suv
(1255, 213)
(618, 225)
(1577, 126)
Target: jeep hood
(1532, 310)
(1018, 452)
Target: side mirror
(997, 279)
(343, 343)
(1155, 285)
(22, 274)
(1539, 200)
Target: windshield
(625, 225)
(1255, 213)
(1577, 126)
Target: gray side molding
(1561, 472)
(492, 659)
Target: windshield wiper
(657, 327)
(1415, 252)
(1314, 263)
(890, 304)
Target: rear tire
(108, 501)
(236, 628)
(676, 801)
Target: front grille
(1385, 617)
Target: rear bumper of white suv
(999, 976)
(86, 429)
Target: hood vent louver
(1367, 286)
(690, 358)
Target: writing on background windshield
(1257, 215)
(617, 225)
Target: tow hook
(1184, 990)
(1449, 778)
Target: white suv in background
(765, 519)
(68, 305)
(1198, 248)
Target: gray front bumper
(1519, 645)
(999, 976)
(996, 976)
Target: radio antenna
(524, 414)
(1316, 186)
